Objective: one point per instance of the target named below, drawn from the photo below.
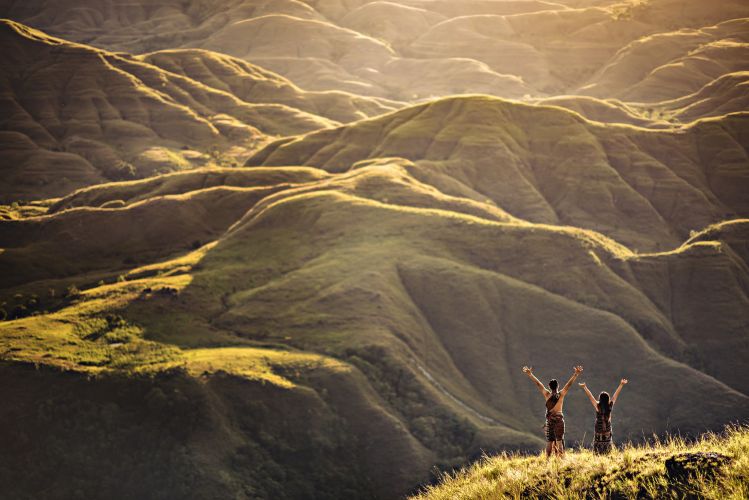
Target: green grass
(631, 472)
(257, 364)
(89, 335)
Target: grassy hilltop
(714, 467)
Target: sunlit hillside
(302, 248)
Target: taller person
(554, 405)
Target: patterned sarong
(602, 443)
(602, 440)
(554, 426)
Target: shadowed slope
(143, 26)
(730, 233)
(67, 102)
(396, 279)
(727, 94)
(74, 116)
(716, 261)
(254, 84)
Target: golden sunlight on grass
(714, 467)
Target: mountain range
(285, 249)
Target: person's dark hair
(604, 402)
(553, 385)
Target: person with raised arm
(602, 442)
(554, 403)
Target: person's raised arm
(619, 389)
(578, 371)
(590, 395)
(529, 371)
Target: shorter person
(602, 442)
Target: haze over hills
(673, 64)
(75, 116)
(261, 250)
(504, 48)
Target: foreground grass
(633, 472)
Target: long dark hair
(604, 402)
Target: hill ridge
(452, 139)
(128, 118)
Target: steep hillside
(674, 64)
(645, 188)
(74, 115)
(251, 83)
(727, 94)
(634, 50)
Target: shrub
(123, 171)
(20, 311)
(72, 292)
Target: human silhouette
(602, 442)
(554, 405)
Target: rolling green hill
(645, 188)
(368, 297)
